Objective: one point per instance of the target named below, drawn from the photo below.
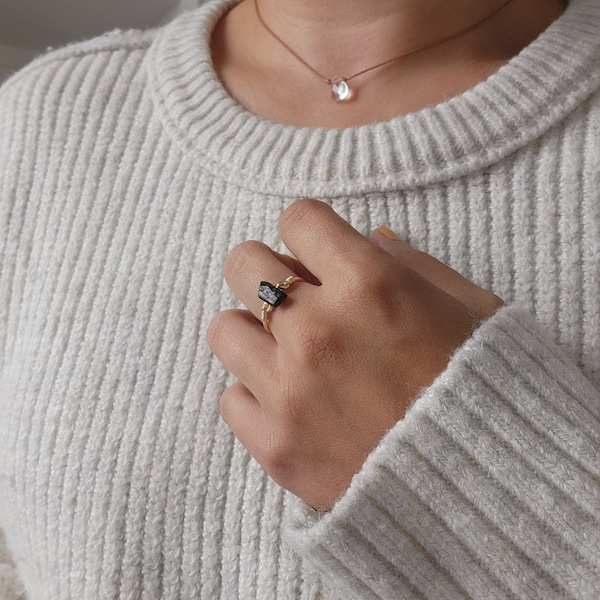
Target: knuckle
(377, 294)
(299, 212)
(238, 259)
(319, 343)
(279, 455)
(365, 285)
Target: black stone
(270, 294)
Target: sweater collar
(521, 101)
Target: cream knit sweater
(127, 174)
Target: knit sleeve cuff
(488, 488)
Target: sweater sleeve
(488, 488)
(10, 585)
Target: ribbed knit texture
(127, 174)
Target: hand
(374, 324)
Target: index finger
(321, 240)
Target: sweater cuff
(488, 488)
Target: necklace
(340, 90)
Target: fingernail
(388, 233)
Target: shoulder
(118, 45)
(71, 80)
(66, 100)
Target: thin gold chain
(386, 62)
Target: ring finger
(251, 263)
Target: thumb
(479, 301)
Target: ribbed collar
(517, 104)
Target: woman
(136, 165)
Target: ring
(272, 296)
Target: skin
(349, 352)
(376, 321)
(341, 37)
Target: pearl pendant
(340, 90)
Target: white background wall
(28, 27)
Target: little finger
(238, 405)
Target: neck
(341, 36)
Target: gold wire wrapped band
(275, 296)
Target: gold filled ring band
(272, 296)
